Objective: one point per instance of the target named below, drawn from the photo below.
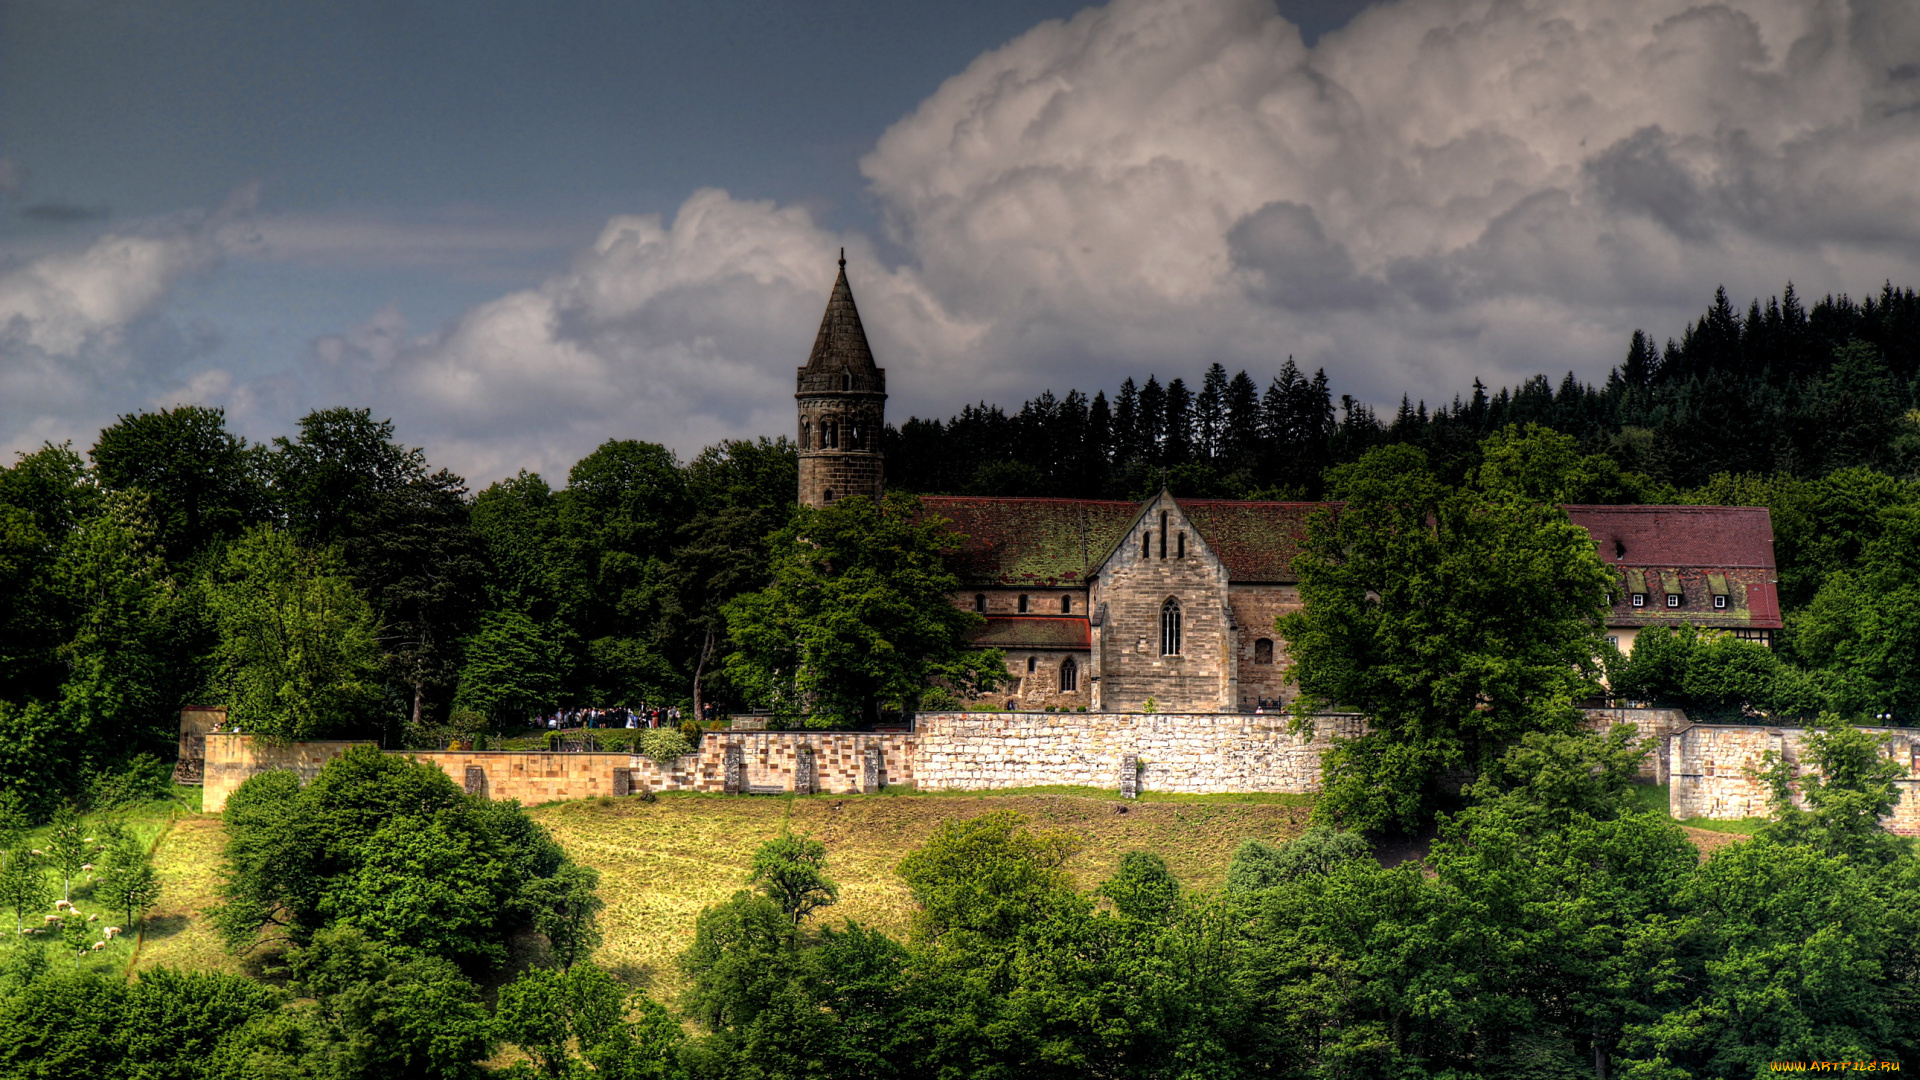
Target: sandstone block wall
(231, 759)
(1713, 770)
(1185, 752)
(770, 759)
(1656, 724)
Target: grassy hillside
(661, 862)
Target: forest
(333, 581)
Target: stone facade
(1261, 667)
(196, 723)
(1163, 567)
(231, 759)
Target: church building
(1119, 606)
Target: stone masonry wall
(231, 759)
(1713, 769)
(1186, 752)
(1656, 724)
(770, 761)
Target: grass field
(662, 862)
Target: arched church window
(1066, 605)
(1033, 662)
(1069, 676)
(1170, 628)
(829, 434)
(1023, 603)
(980, 601)
(1263, 651)
(806, 434)
(853, 436)
(1146, 545)
(1181, 545)
(1163, 534)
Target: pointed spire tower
(842, 400)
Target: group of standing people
(646, 716)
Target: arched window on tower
(853, 435)
(1069, 676)
(829, 434)
(846, 380)
(806, 434)
(828, 495)
(1170, 628)
(1263, 651)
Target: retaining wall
(1714, 770)
(1184, 752)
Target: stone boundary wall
(1713, 769)
(231, 759)
(1185, 752)
(814, 761)
(1651, 724)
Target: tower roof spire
(842, 342)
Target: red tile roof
(1677, 536)
(1031, 541)
(1034, 631)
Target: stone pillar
(870, 773)
(1129, 776)
(476, 781)
(804, 782)
(623, 781)
(736, 767)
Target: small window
(806, 434)
(1613, 640)
(1163, 534)
(1719, 602)
(827, 495)
(1023, 603)
(1181, 546)
(1066, 605)
(1032, 663)
(1263, 651)
(853, 436)
(1673, 599)
(1170, 628)
(1069, 676)
(846, 380)
(980, 601)
(1146, 545)
(1639, 599)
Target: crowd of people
(646, 716)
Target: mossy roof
(1034, 632)
(1037, 542)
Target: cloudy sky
(522, 229)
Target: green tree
(566, 910)
(124, 879)
(68, 847)
(986, 877)
(1863, 626)
(205, 480)
(23, 885)
(1850, 787)
(1457, 620)
(858, 613)
(37, 752)
(574, 1024)
(171, 1021)
(511, 670)
(298, 643)
(1258, 865)
(791, 871)
(391, 1012)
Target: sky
(520, 230)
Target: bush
(664, 745)
(144, 779)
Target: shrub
(664, 745)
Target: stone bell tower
(842, 400)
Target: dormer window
(1719, 603)
(1639, 599)
(1717, 585)
(1673, 599)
